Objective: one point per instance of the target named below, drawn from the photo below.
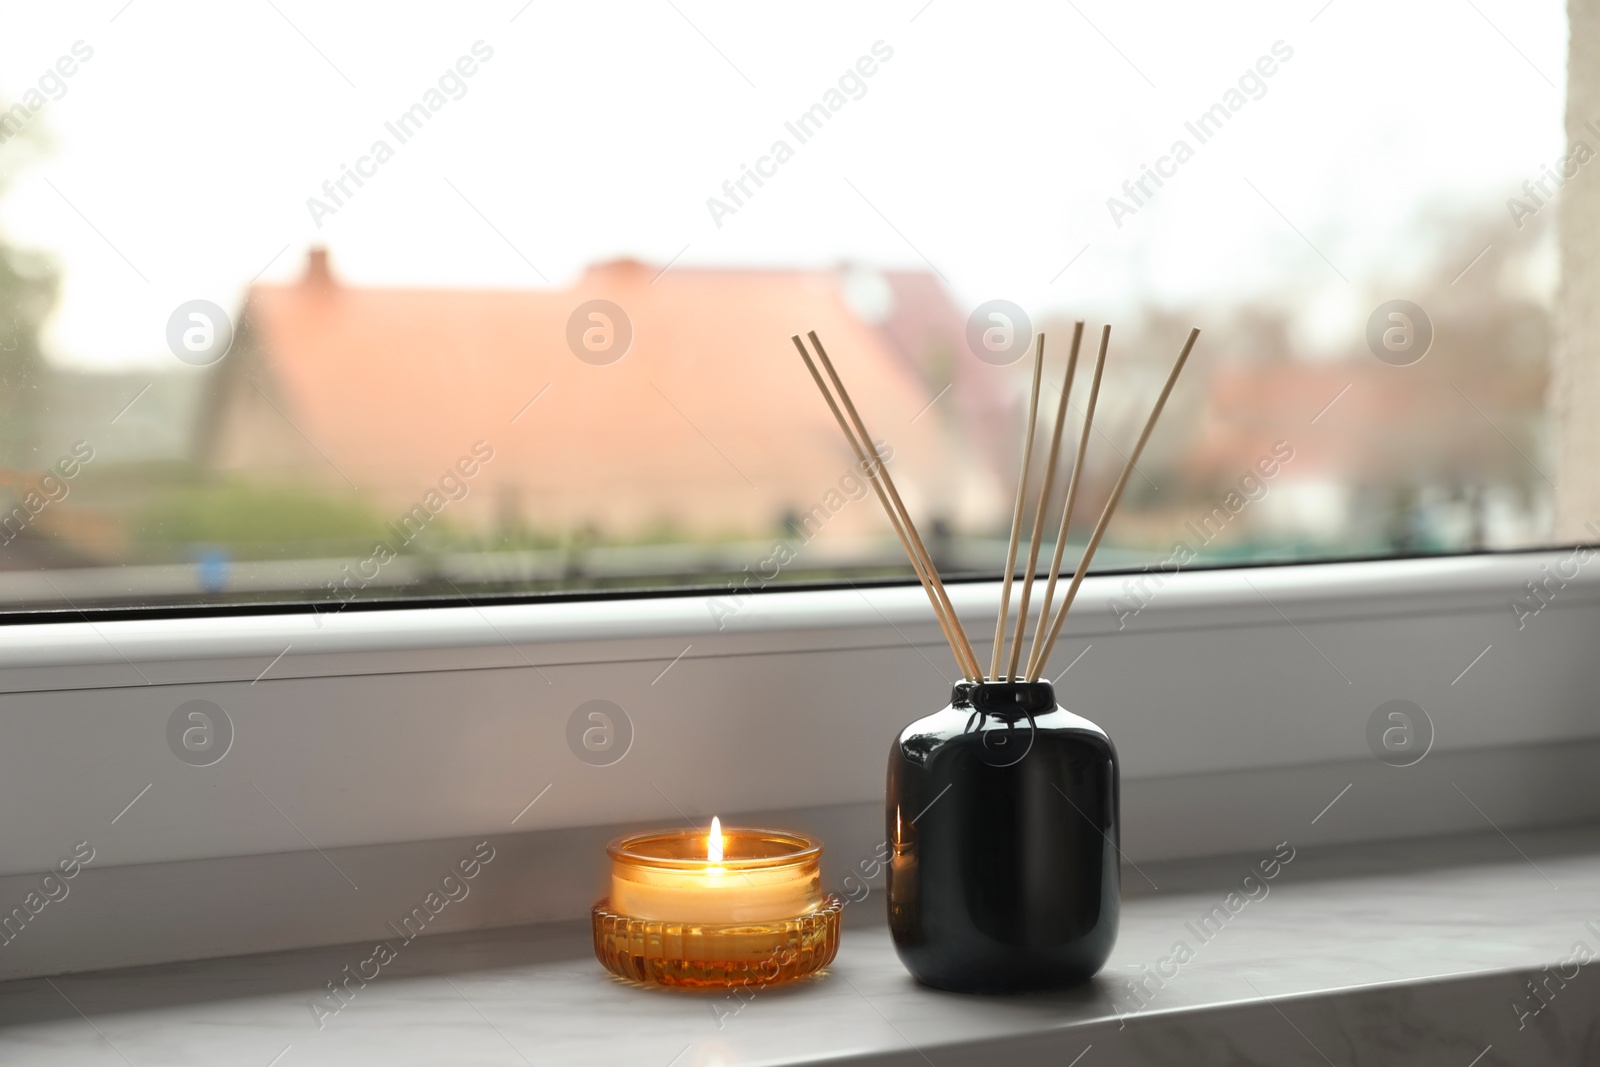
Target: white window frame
(443, 720)
(371, 746)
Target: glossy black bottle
(1003, 819)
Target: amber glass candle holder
(678, 917)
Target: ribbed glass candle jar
(675, 917)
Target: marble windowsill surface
(1415, 952)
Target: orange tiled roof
(709, 421)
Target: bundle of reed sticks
(1004, 665)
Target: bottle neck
(1006, 700)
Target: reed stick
(872, 467)
(868, 467)
(967, 656)
(1037, 535)
(1016, 513)
(1068, 506)
(1116, 497)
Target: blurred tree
(28, 283)
(1444, 454)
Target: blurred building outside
(345, 415)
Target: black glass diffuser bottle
(1003, 817)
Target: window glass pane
(356, 301)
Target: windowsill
(1413, 951)
(384, 740)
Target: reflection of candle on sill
(721, 877)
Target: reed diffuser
(1002, 808)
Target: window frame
(395, 736)
(301, 694)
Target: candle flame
(714, 841)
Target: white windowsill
(382, 737)
(1349, 953)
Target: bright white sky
(988, 144)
